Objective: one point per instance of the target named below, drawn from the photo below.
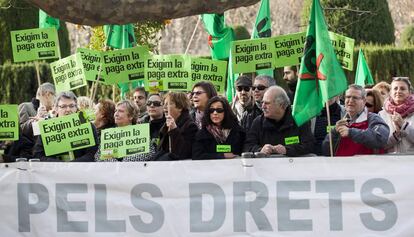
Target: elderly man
(260, 86)
(359, 132)
(65, 104)
(275, 132)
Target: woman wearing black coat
(220, 136)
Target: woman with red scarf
(398, 114)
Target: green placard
(344, 49)
(213, 71)
(92, 62)
(67, 133)
(9, 123)
(35, 44)
(124, 65)
(168, 73)
(252, 55)
(288, 49)
(223, 148)
(123, 141)
(292, 140)
(68, 73)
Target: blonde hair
(132, 109)
(85, 103)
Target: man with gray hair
(260, 85)
(275, 132)
(66, 104)
(359, 132)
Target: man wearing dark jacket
(66, 103)
(275, 132)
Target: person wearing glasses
(66, 104)
(177, 134)
(243, 103)
(275, 131)
(260, 85)
(359, 132)
(200, 94)
(398, 114)
(374, 101)
(155, 117)
(221, 136)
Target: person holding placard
(221, 136)
(66, 104)
(177, 135)
(155, 117)
(201, 93)
(398, 113)
(126, 113)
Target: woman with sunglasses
(201, 93)
(221, 136)
(374, 101)
(398, 114)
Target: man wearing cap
(243, 102)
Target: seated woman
(104, 115)
(398, 114)
(221, 136)
(177, 135)
(126, 113)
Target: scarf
(403, 109)
(218, 133)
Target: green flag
(363, 74)
(263, 29)
(321, 76)
(263, 26)
(46, 21)
(220, 36)
(120, 36)
(231, 79)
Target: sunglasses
(154, 103)
(259, 87)
(197, 93)
(218, 110)
(243, 88)
(368, 105)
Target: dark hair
(107, 109)
(378, 100)
(229, 121)
(141, 89)
(208, 87)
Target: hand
(398, 120)
(343, 130)
(170, 122)
(267, 149)
(342, 122)
(280, 149)
(41, 113)
(229, 155)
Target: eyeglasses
(154, 103)
(71, 106)
(218, 110)
(197, 93)
(243, 88)
(259, 87)
(349, 97)
(368, 105)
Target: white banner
(361, 196)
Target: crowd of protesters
(258, 123)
